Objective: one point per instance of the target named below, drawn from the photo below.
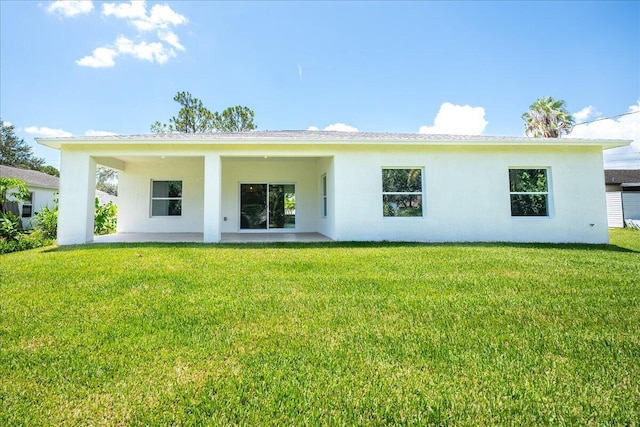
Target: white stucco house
(43, 189)
(345, 186)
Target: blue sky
(85, 68)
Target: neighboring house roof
(622, 176)
(321, 137)
(32, 178)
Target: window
(529, 192)
(324, 196)
(166, 198)
(402, 192)
(27, 207)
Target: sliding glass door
(267, 206)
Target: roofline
(324, 138)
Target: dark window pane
(166, 208)
(529, 205)
(167, 189)
(402, 180)
(405, 205)
(527, 180)
(27, 211)
(253, 206)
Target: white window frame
(400, 193)
(27, 203)
(547, 193)
(323, 186)
(152, 199)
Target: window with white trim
(324, 195)
(402, 192)
(166, 198)
(27, 207)
(529, 192)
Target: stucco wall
(134, 195)
(466, 190)
(466, 195)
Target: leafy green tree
(194, 117)
(14, 188)
(234, 119)
(14, 151)
(547, 118)
(50, 170)
(107, 180)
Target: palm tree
(547, 118)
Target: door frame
(267, 229)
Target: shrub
(47, 221)
(24, 241)
(105, 218)
(9, 227)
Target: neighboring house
(43, 188)
(623, 195)
(347, 186)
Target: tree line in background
(14, 151)
(194, 117)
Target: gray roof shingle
(32, 178)
(621, 176)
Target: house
(44, 191)
(346, 186)
(623, 195)
(43, 188)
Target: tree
(107, 180)
(50, 170)
(15, 151)
(547, 118)
(12, 187)
(194, 117)
(235, 119)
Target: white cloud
(160, 18)
(6, 124)
(101, 57)
(70, 8)
(313, 128)
(340, 127)
(99, 133)
(148, 51)
(171, 38)
(585, 114)
(133, 10)
(624, 127)
(457, 120)
(47, 132)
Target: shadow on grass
(342, 245)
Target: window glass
(402, 192)
(529, 192)
(166, 198)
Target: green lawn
(322, 334)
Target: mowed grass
(322, 334)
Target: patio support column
(212, 197)
(76, 198)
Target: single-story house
(346, 186)
(623, 195)
(43, 188)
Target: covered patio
(199, 238)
